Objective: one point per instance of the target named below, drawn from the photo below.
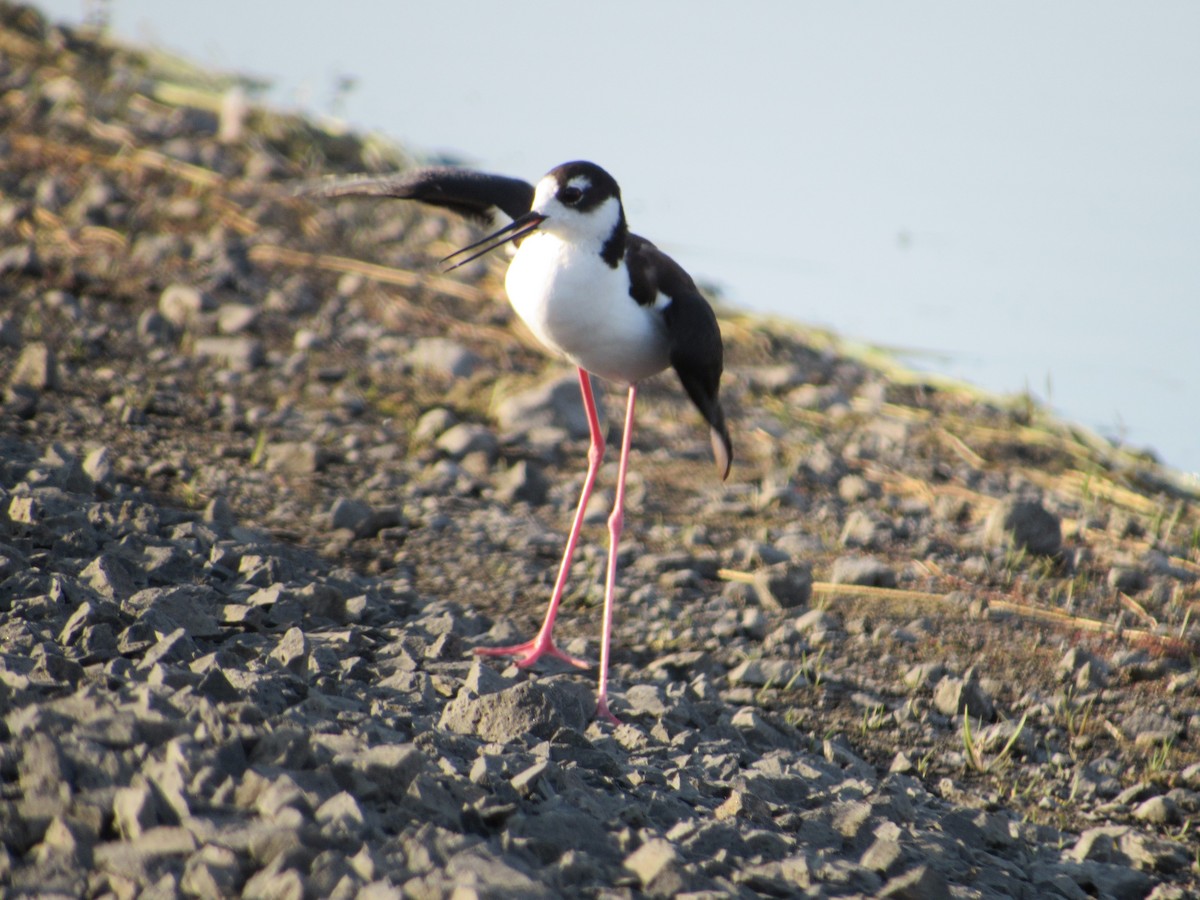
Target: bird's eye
(570, 195)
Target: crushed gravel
(266, 479)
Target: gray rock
(363, 520)
(882, 856)
(1149, 728)
(219, 515)
(144, 858)
(855, 488)
(299, 458)
(819, 626)
(431, 424)
(775, 378)
(646, 700)
(921, 883)
(924, 675)
(762, 672)
(1157, 811)
(554, 402)
(86, 613)
(1153, 854)
(341, 815)
(951, 509)
(1083, 668)
(213, 871)
(10, 331)
(466, 438)
(333, 876)
(838, 753)
(523, 482)
(483, 679)
(526, 782)
(527, 708)
(1129, 579)
(657, 867)
(273, 883)
(135, 809)
(822, 465)
(952, 695)
(993, 738)
(238, 352)
(24, 511)
(864, 570)
(36, 369)
(479, 872)
(217, 687)
(307, 339)
(172, 649)
(866, 530)
(64, 843)
(353, 515)
(22, 258)
(153, 328)
(901, 764)
(97, 644)
(98, 465)
(68, 474)
(756, 729)
(190, 607)
(165, 563)
(110, 576)
(1024, 524)
(44, 771)
(292, 651)
(784, 586)
(388, 769)
(181, 304)
(234, 318)
(442, 356)
(51, 667)
(851, 819)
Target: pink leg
(529, 652)
(615, 522)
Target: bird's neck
(613, 250)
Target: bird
(594, 293)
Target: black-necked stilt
(607, 300)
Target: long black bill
(514, 230)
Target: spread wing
(476, 195)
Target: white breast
(579, 307)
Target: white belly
(580, 308)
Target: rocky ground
(266, 477)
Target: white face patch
(581, 227)
(544, 192)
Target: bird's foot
(603, 712)
(531, 651)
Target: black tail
(697, 357)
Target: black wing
(695, 348)
(476, 195)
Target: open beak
(513, 231)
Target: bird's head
(577, 201)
